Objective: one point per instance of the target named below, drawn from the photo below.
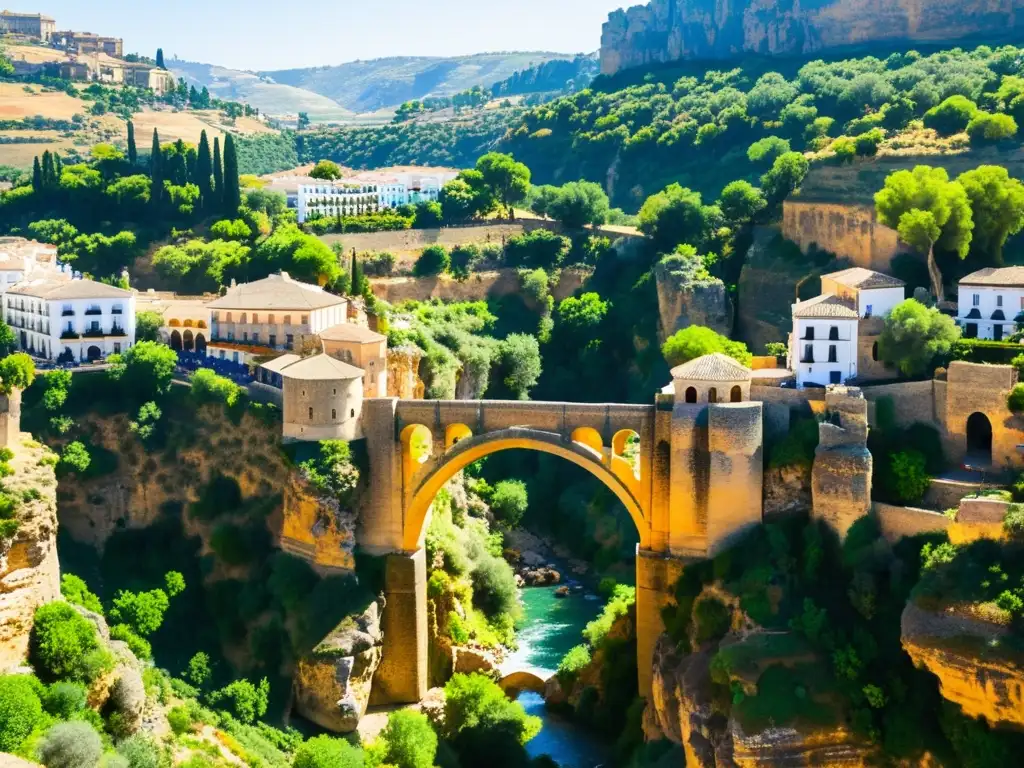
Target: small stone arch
(189, 323)
(713, 395)
(176, 341)
(174, 322)
(515, 683)
(200, 344)
(454, 433)
(736, 394)
(691, 394)
(626, 448)
(188, 341)
(417, 443)
(874, 351)
(979, 439)
(589, 437)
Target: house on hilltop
(990, 301)
(34, 25)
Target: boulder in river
(562, 591)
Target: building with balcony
(990, 300)
(56, 317)
(276, 312)
(823, 344)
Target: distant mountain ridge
(335, 92)
(669, 30)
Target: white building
(823, 345)
(371, 191)
(57, 317)
(874, 294)
(989, 301)
(20, 257)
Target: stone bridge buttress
(669, 464)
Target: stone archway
(188, 341)
(94, 353)
(979, 439)
(200, 344)
(176, 341)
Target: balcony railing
(67, 313)
(70, 335)
(116, 311)
(94, 311)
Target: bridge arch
(425, 485)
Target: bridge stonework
(688, 474)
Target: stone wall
(913, 401)
(841, 474)
(478, 287)
(946, 494)
(899, 522)
(976, 388)
(849, 231)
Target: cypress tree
(232, 193)
(360, 285)
(204, 170)
(218, 173)
(49, 171)
(133, 155)
(156, 183)
(58, 167)
(160, 58)
(37, 175)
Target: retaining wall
(899, 522)
(479, 286)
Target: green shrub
(20, 709)
(198, 671)
(509, 502)
(63, 699)
(494, 586)
(142, 611)
(986, 128)
(434, 260)
(457, 628)
(138, 645)
(71, 745)
(1015, 399)
(572, 663)
(411, 740)
(64, 644)
(476, 702)
(697, 341)
(327, 752)
(77, 592)
(618, 605)
(951, 116)
(208, 387)
(712, 619)
(910, 478)
(797, 447)
(75, 457)
(242, 699)
(1013, 522)
(141, 751)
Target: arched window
(352, 413)
(227, 319)
(874, 351)
(736, 394)
(310, 414)
(691, 395)
(255, 317)
(712, 395)
(287, 319)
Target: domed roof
(713, 367)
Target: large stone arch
(431, 479)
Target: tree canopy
(697, 341)
(914, 335)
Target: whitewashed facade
(989, 300)
(370, 191)
(823, 345)
(56, 317)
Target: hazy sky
(259, 34)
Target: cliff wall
(478, 287)
(29, 572)
(849, 231)
(668, 30)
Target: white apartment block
(989, 301)
(57, 317)
(371, 191)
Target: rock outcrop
(974, 669)
(29, 571)
(332, 683)
(686, 298)
(787, 491)
(668, 30)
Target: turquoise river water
(551, 627)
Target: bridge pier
(656, 577)
(402, 675)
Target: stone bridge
(668, 463)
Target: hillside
(666, 30)
(334, 93)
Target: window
(305, 319)
(287, 319)
(273, 339)
(833, 333)
(809, 333)
(242, 319)
(117, 348)
(231, 335)
(255, 317)
(808, 354)
(352, 413)
(999, 301)
(975, 300)
(291, 340)
(255, 337)
(712, 395)
(216, 317)
(867, 312)
(334, 415)
(271, 320)
(310, 414)
(228, 319)
(835, 377)
(832, 357)
(245, 335)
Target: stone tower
(841, 477)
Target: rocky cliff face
(685, 299)
(964, 654)
(667, 30)
(29, 572)
(332, 683)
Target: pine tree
(156, 184)
(37, 175)
(204, 170)
(218, 174)
(193, 97)
(232, 192)
(133, 154)
(160, 58)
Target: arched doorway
(979, 439)
(188, 341)
(200, 344)
(176, 341)
(691, 394)
(94, 353)
(736, 394)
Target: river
(551, 627)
